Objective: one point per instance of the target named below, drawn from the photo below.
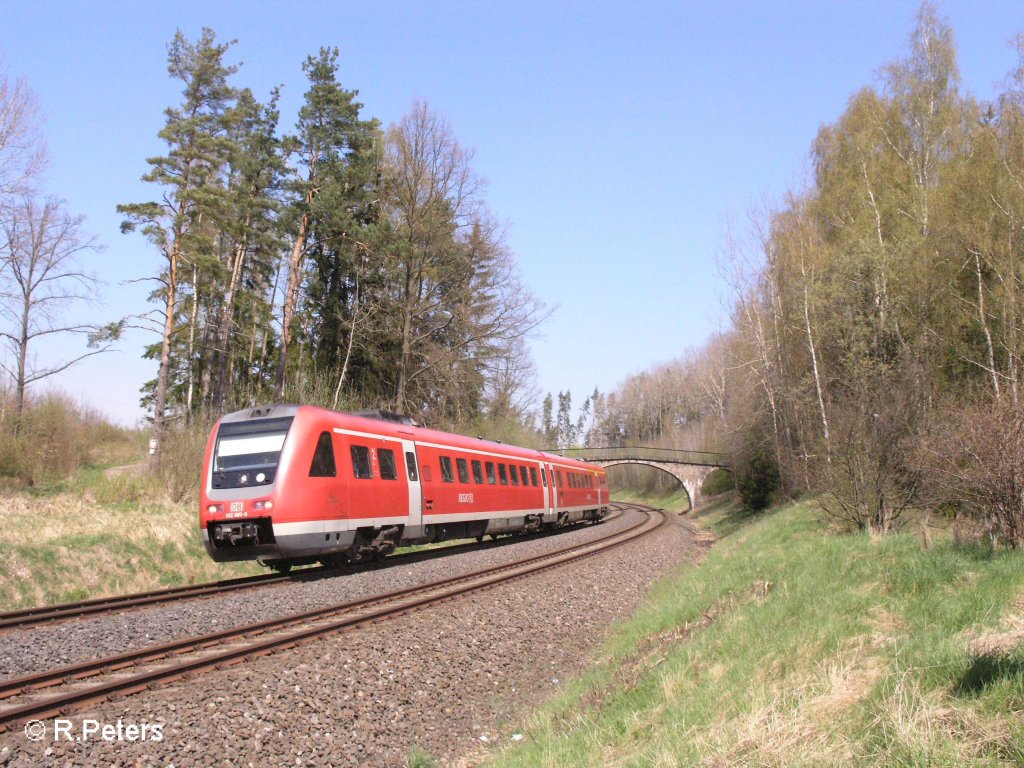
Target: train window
(503, 474)
(361, 462)
(388, 470)
(323, 459)
(410, 463)
(513, 471)
(559, 476)
(478, 472)
(524, 475)
(544, 477)
(463, 467)
(446, 470)
(491, 477)
(533, 476)
(248, 449)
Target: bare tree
(22, 154)
(40, 244)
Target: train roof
(397, 426)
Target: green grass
(791, 646)
(677, 501)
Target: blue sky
(620, 140)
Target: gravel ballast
(436, 682)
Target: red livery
(293, 484)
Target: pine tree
(192, 195)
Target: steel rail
(394, 603)
(50, 614)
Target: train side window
(361, 462)
(513, 472)
(559, 476)
(478, 472)
(463, 467)
(388, 470)
(323, 459)
(503, 474)
(533, 476)
(544, 477)
(524, 475)
(446, 470)
(410, 463)
(491, 477)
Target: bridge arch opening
(647, 468)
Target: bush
(181, 461)
(719, 481)
(970, 460)
(54, 436)
(758, 482)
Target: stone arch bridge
(689, 467)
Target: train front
(245, 466)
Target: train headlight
(261, 505)
(213, 509)
(268, 505)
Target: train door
(412, 472)
(554, 489)
(544, 487)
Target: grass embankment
(93, 535)
(792, 646)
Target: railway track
(50, 614)
(145, 668)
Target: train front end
(246, 463)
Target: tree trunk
(190, 357)
(159, 420)
(226, 321)
(291, 300)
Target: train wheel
(281, 566)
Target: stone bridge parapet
(690, 468)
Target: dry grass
(1006, 638)
(70, 547)
(798, 718)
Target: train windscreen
(247, 452)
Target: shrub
(970, 459)
(758, 482)
(719, 481)
(55, 436)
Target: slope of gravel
(31, 650)
(438, 681)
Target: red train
(294, 484)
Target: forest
(340, 264)
(874, 347)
